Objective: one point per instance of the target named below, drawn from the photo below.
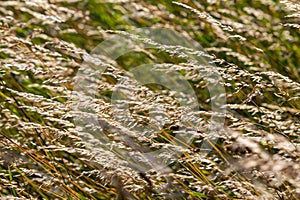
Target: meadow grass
(45, 154)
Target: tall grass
(254, 46)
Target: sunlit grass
(255, 48)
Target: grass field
(55, 145)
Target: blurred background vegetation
(255, 45)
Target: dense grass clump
(47, 153)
